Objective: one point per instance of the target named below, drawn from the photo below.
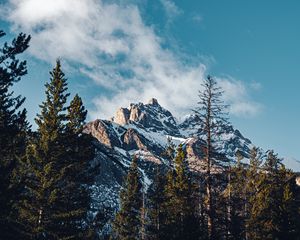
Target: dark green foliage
(56, 200)
(273, 213)
(79, 174)
(183, 200)
(235, 201)
(128, 220)
(13, 130)
(44, 168)
(290, 222)
(155, 210)
(176, 204)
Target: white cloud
(111, 44)
(197, 18)
(256, 86)
(245, 109)
(236, 95)
(172, 10)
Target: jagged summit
(153, 101)
(147, 127)
(150, 116)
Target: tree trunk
(210, 207)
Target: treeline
(259, 200)
(45, 175)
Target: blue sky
(116, 52)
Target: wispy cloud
(111, 44)
(197, 18)
(172, 10)
(256, 86)
(236, 94)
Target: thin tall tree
(212, 114)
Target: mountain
(144, 130)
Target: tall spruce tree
(212, 115)
(155, 207)
(55, 202)
(169, 217)
(13, 130)
(185, 200)
(181, 219)
(127, 224)
(235, 200)
(75, 201)
(253, 178)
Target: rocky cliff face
(150, 116)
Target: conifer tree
(253, 177)
(13, 130)
(273, 214)
(169, 216)
(45, 156)
(155, 209)
(258, 221)
(290, 221)
(55, 202)
(185, 202)
(235, 195)
(181, 220)
(127, 223)
(78, 175)
(212, 116)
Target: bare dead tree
(212, 114)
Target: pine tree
(253, 178)
(290, 224)
(273, 213)
(44, 166)
(168, 224)
(212, 116)
(155, 209)
(56, 199)
(185, 202)
(127, 223)
(263, 212)
(13, 130)
(78, 176)
(235, 200)
(181, 220)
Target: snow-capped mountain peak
(151, 116)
